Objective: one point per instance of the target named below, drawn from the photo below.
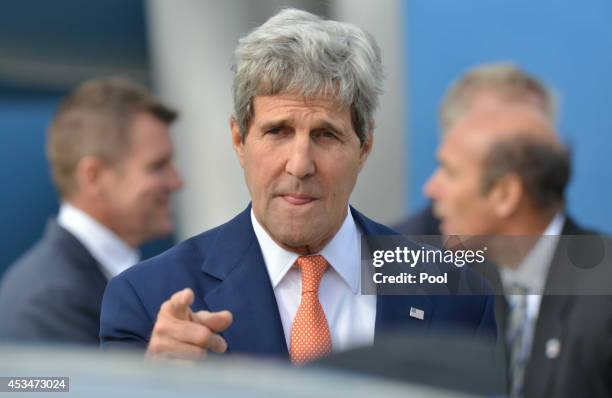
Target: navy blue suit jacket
(225, 268)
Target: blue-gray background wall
(567, 44)
(27, 195)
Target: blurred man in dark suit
(111, 157)
(503, 171)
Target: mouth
(440, 216)
(437, 212)
(297, 199)
(443, 227)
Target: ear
(366, 148)
(88, 176)
(237, 140)
(506, 195)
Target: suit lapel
(549, 327)
(57, 236)
(550, 324)
(240, 284)
(491, 273)
(395, 311)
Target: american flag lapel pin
(417, 313)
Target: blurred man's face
(301, 159)
(138, 190)
(456, 187)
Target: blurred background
(183, 50)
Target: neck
(529, 221)
(102, 217)
(516, 240)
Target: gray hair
(298, 52)
(509, 82)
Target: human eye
(326, 134)
(447, 169)
(277, 131)
(158, 165)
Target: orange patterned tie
(310, 337)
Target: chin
(293, 237)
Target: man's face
(301, 159)
(456, 186)
(138, 189)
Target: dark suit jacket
(226, 270)
(53, 292)
(582, 324)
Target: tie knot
(312, 269)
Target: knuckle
(162, 327)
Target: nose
(300, 161)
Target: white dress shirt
(350, 315)
(113, 254)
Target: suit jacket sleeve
(124, 320)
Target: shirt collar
(113, 254)
(533, 270)
(342, 253)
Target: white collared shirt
(350, 315)
(113, 254)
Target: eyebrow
(324, 125)
(274, 124)
(446, 165)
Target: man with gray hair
(283, 277)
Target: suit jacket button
(553, 348)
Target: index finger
(179, 305)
